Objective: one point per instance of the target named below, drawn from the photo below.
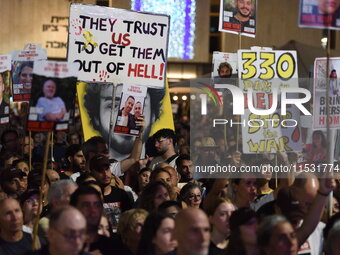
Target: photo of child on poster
(320, 14)
(130, 108)
(238, 16)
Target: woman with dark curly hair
(191, 194)
(154, 194)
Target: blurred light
(324, 41)
(175, 98)
(193, 97)
(184, 98)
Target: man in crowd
(13, 241)
(164, 140)
(88, 200)
(185, 167)
(66, 234)
(192, 232)
(13, 182)
(116, 200)
(75, 159)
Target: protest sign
(95, 104)
(22, 68)
(130, 108)
(319, 14)
(224, 66)
(5, 85)
(53, 94)
(266, 73)
(238, 16)
(319, 93)
(120, 46)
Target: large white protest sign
(319, 95)
(120, 46)
(266, 73)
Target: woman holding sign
(53, 108)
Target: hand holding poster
(238, 16)
(53, 93)
(5, 84)
(319, 95)
(130, 109)
(22, 69)
(120, 46)
(320, 14)
(263, 75)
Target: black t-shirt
(114, 204)
(17, 248)
(214, 250)
(104, 245)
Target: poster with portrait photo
(53, 95)
(238, 17)
(323, 14)
(224, 67)
(5, 85)
(22, 70)
(320, 95)
(131, 106)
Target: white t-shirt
(313, 245)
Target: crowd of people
(94, 204)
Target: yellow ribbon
(88, 37)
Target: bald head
(173, 175)
(192, 232)
(67, 232)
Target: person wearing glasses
(164, 142)
(191, 195)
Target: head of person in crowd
(34, 182)
(100, 169)
(120, 146)
(130, 228)
(26, 74)
(93, 146)
(185, 167)
(192, 232)
(244, 9)
(243, 191)
(11, 220)
(160, 174)
(137, 109)
(89, 201)
(29, 202)
(74, 138)
(262, 182)
(10, 141)
(86, 179)
(105, 228)
(174, 175)
(75, 158)
(67, 232)
(143, 178)
(154, 194)
(277, 236)
(191, 194)
(328, 6)
(207, 151)
(243, 226)
(157, 235)
(59, 194)
(305, 188)
(225, 70)
(13, 182)
(52, 176)
(164, 140)
(22, 165)
(219, 212)
(53, 165)
(27, 145)
(8, 158)
(170, 207)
